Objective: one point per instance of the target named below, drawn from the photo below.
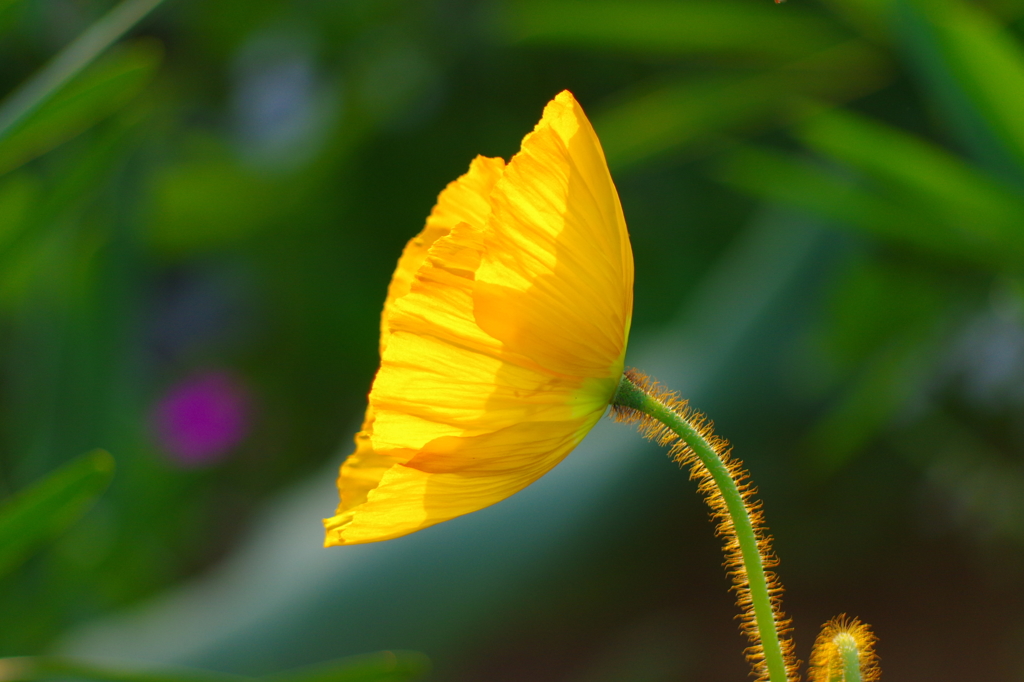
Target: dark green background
(828, 197)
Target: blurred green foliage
(96, 94)
(51, 505)
(229, 186)
(386, 666)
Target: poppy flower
(502, 338)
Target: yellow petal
(456, 476)
(463, 200)
(363, 469)
(503, 336)
(557, 277)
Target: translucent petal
(455, 476)
(556, 280)
(503, 336)
(463, 200)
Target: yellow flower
(502, 337)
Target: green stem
(630, 395)
(70, 61)
(851, 658)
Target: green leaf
(828, 192)
(384, 666)
(975, 69)
(18, 195)
(8, 13)
(881, 326)
(50, 506)
(99, 91)
(802, 183)
(663, 26)
(919, 175)
(868, 16)
(694, 113)
(26, 668)
(882, 389)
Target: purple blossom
(200, 419)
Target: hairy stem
(634, 397)
(844, 652)
(851, 662)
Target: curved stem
(632, 396)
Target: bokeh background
(826, 202)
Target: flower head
(844, 650)
(202, 418)
(502, 338)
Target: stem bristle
(827, 657)
(682, 453)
